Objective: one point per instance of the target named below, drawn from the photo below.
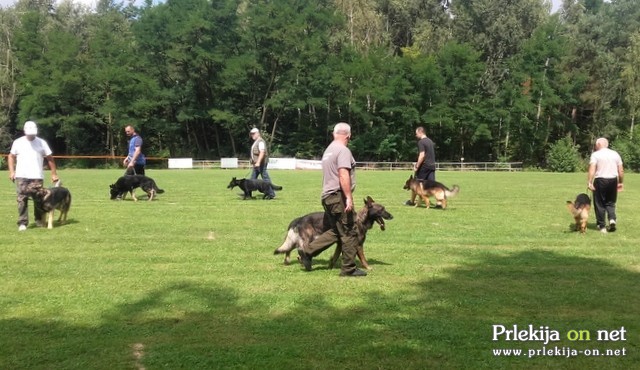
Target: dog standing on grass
(250, 185)
(56, 197)
(128, 184)
(580, 210)
(303, 230)
(424, 189)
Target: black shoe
(354, 273)
(305, 258)
(409, 203)
(612, 227)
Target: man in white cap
(26, 160)
(260, 160)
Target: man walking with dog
(605, 177)
(135, 160)
(25, 161)
(425, 166)
(338, 183)
(260, 160)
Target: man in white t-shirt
(26, 160)
(605, 180)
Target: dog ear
(368, 201)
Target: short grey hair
(342, 129)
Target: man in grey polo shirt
(338, 183)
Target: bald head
(602, 143)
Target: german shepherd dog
(303, 230)
(128, 183)
(429, 188)
(56, 197)
(580, 211)
(248, 186)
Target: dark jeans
(26, 188)
(343, 231)
(138, 169)
(262, 171)
(604, 199)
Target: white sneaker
(22, 227)
(603, 230)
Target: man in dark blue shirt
(135, 160)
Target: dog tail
(290, 242)
(276, 187)
(157, 189)
(452, 192)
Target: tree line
(489, 79)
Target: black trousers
(426, 174)
(604, 199)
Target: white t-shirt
(30, 157)
(606, 161)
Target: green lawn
(190, 280)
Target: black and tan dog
(128, 183)
(579, 209)
(56, 197)
(303, 230)
(429, 188)
(248, 186)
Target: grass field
(189, 281)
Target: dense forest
(490, 80)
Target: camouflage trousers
(29, 188)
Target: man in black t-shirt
(425, 166)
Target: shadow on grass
(437, 323)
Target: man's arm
(259, 159)
(620, 176)
(52, 166)
(591, 174)
(419, 161)
(136, 154)
(345, 186)
(11, 161)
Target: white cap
(30, 128)
(254, 131)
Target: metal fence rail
(394, 166)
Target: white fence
(306, 164)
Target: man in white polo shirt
(26, 160)
(605, 180)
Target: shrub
(563, 156)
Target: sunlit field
(190, 280)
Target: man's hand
(348, 207)
(12, 176)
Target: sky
(6, 3)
